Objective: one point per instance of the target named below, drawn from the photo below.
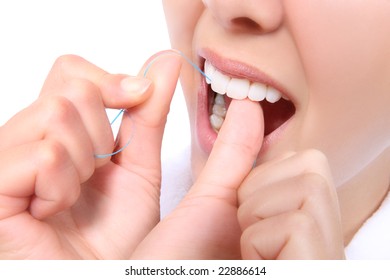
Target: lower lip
(206, 135)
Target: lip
(233, 68)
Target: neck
(361, 197)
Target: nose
(254, 16)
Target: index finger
(117, 90)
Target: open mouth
(222, 88)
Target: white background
(116, 35)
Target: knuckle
(248, 235)
(59, 109)
(251, 212)
(313, 156)
(84, 92)
(314, 185)
(51, 154)
(241, 212)
(245, 236)
(242, 216)
(65, 63)
(302, 223)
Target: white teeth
(237, 88)
(219, 82)
(257, 92)
(219, 106)
(219, 112)
(219, 100)
(273, 95)
(209, 71)
(216, 121)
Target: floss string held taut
(125, 112)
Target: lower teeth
(216, 122)
(218, 112)
(276, 113)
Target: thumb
(235, 150)
(146, 122)
(197, 229)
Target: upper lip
(237, 69)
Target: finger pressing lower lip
(236, 148)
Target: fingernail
(135, 85)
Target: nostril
(245, 23)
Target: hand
(289, 210)
(56, 200)
(205, 225)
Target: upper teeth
(237, 88)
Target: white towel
(176, 179)
(372, 241)
(175, 155)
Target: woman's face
(329, 60)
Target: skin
(332, 163)
(58, 201)
(305, 198)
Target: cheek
(346, 60)
(344, 48)
(352, 134)
(181, 17)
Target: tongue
(276, 114)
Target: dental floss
(196, 67)
(124, 111)
(101, 156)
